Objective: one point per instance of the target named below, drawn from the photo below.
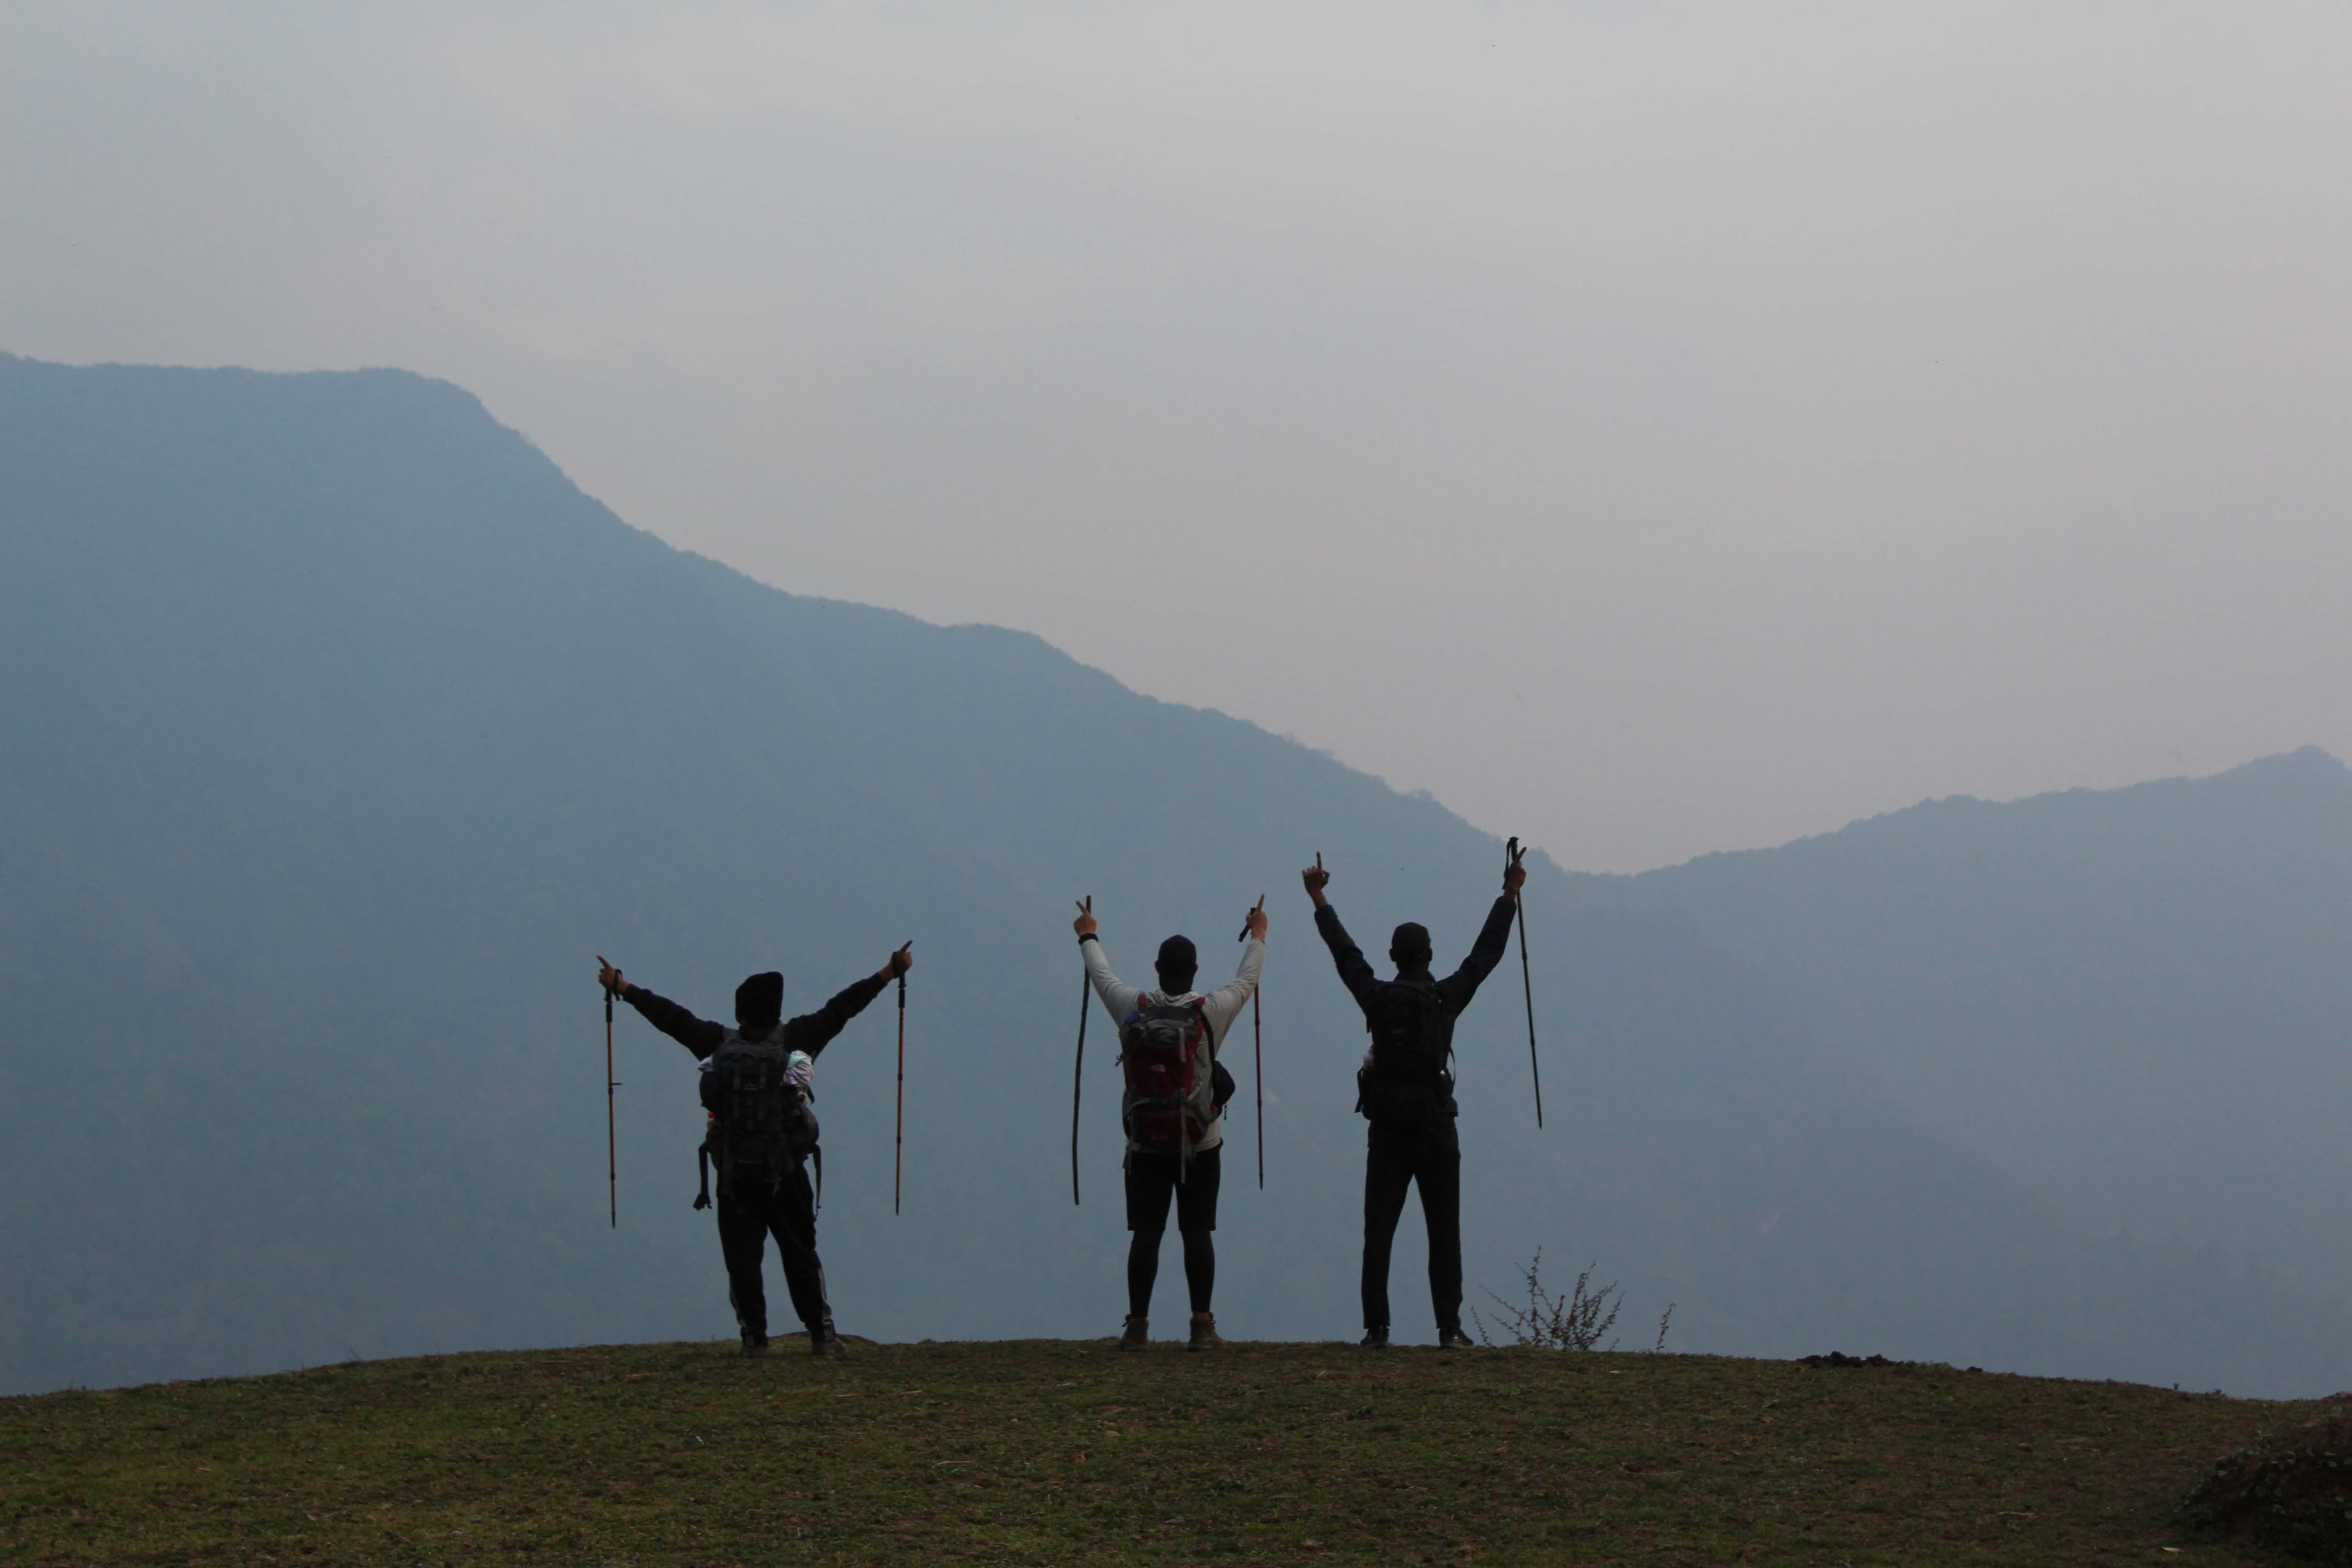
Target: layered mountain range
(339, 732)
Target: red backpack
(1169, 1099)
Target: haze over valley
(339, 731)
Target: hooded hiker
(756, 1085)
(1405, 1089)
(1173, 1107)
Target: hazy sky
(1651, 428)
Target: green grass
(1055, 1452)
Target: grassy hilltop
(1064, 1452)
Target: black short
(1151, 1179)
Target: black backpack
(762, 1124)
(1407, 1080)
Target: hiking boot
(824, 1341)
(1137, 1335)
(1205, 1333)
(754, 1344)
(1455, 1340)
(1374, 1340)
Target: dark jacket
(811, 1032)
(1454, 992)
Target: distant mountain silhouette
(338, 731)
(2138, 1001)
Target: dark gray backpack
(1408, 1080)
(762, 1124)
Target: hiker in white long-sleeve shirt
(1172, 1110)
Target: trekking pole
(1526, 985)
(898, 1150)
(1257, 1054)
(1078, 1077)
(1257, 1051)
(612, 1145)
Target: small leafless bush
(1572, 1322)
(1576, 1321)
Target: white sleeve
(1224, 1005)
(1118, 998)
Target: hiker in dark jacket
(765, 1189)
(1405, 1089)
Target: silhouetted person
(1405, 1089)
(757, 1089)
(1172, 1107)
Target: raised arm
(696, 1035)
(1223, 1004)
(1493, 940)
(1118, 998)
(1354, 973)
(812, 1032)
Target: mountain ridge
(2132, 1001)
(349, 729)
(2302, 765)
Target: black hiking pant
(1152, 1181)
(752, 1207)
(1398, 1155)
